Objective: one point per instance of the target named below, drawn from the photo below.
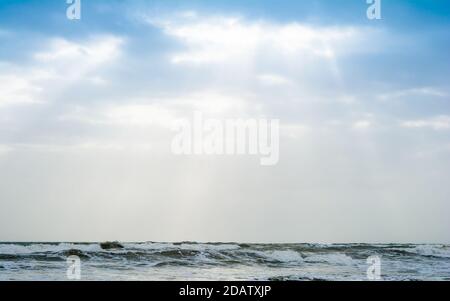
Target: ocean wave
(190, 260)
(287, 256)
(430, 250)
(332, 258)
(220, 253)
(24, 249)
(283, 256)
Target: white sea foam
(18, 249)
(154, 246)
(332, 258)
(198, 261)
(150, 246)
(207, 247)
(431, 250)
(286, 256)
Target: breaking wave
(259, 261)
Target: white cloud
(435, 123)
(362, 124)
(162, 111)
(15, 89)
(273, 80)
(222, 39)
(423, 91)
(105, 145)
(243, 68)
(139, 115)
(59, 64)
(128, 115)
(214, 103)
(67, 61)
(84, 56)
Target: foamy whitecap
(214, 247)
(332, 258)
(18, 249)
(150, 246)
(285, 256)
(431, 250)
(227, 261)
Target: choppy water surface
(228, 261)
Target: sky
(86, 109)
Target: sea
(191, 261)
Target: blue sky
(363, 105)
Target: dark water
(227, 261)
